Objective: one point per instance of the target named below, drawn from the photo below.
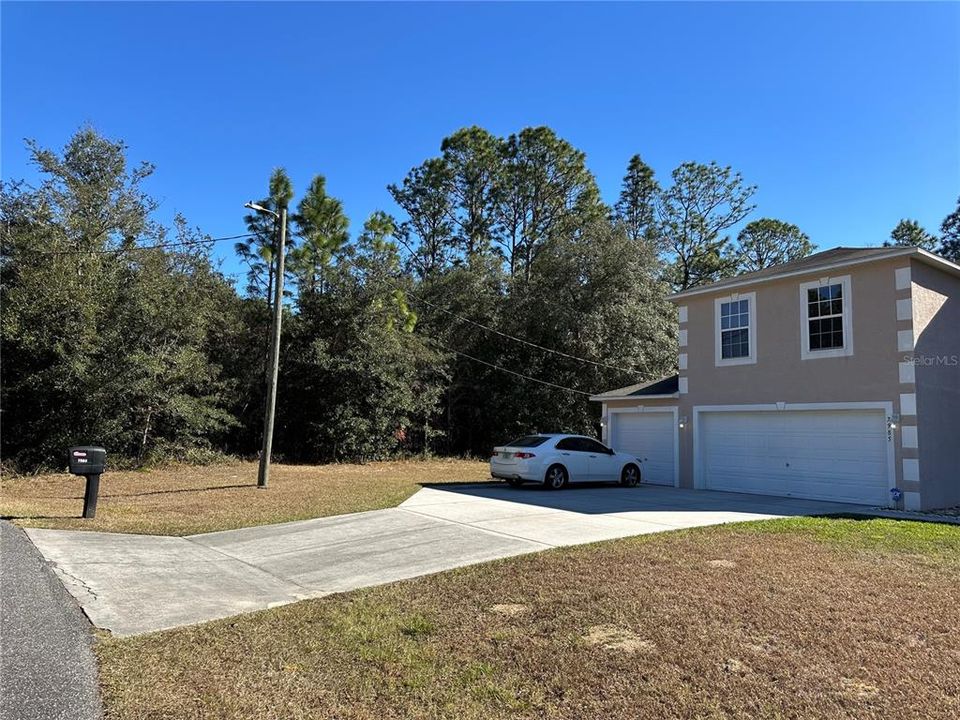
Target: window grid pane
(826, 333)
(735, 329)
(735, 344)
(734, 315)
(825, 317)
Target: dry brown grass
(806, 619)
(183, 500)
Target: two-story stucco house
(834, 377)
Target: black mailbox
(89, 462)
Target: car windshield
(528, 441)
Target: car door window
(594, 447)
(601, 465)
(575, 459)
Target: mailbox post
(89, 462)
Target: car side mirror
(611, 451)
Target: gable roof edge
(927, 257)
(941, 263)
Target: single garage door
(822, 455)
(650, 437)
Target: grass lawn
(183, 500)
(798, 618)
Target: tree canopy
(767, 242)
(502, 295)
(910, 233)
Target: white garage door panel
(824, 454)
(650, 437)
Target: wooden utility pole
(263, 474)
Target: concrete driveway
(133, 584)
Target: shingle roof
(664, 386)
(811, 262)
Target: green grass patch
(934, 540)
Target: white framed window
(735, 339)
(826, 311)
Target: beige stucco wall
(936, 359)
(780, 374)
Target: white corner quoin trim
(908, 403)
(683, 313)
(908, 373)
(911, 501)
(903, 278)
(911, 470)
(905, 309)
(904, 340)
(908, 436)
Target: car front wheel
(556, 477)
(630, 477)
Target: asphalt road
(47, 668)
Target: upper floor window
(736, 329)
(825, 318)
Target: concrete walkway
(47, 669)
(132, 584)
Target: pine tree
(909, 233)
(635, 210)
(950, 236)
(767, 242)
(703, 202)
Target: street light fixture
(263, 473)
(260, 208)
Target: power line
(507, 370)
(519, 339)
(135, 248)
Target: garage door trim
(699, 481)
(672, 409)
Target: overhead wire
(524, 341)
(416, 296)
(137, 248)
(507, 370)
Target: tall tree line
(502, 294)
(910, 233)
(102, 342)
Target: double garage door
(836, 455)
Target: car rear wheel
(556, 477)
(630, 477)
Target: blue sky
(847, 116)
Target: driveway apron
(131, 584)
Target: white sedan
(555, 460)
